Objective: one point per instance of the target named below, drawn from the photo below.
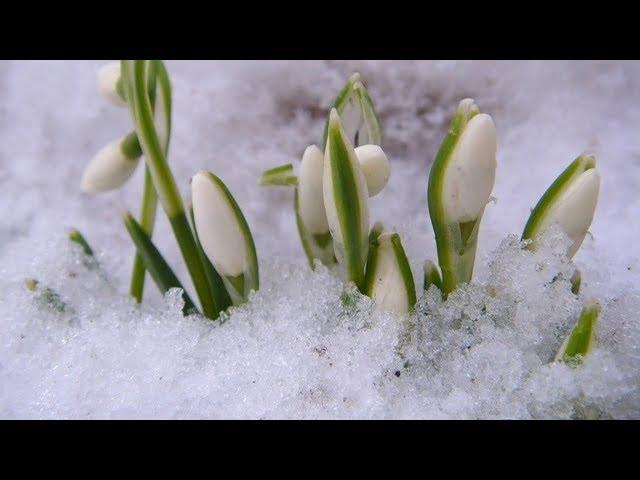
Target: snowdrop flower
(346, 201)
(224, 235)
(460, 185)
(112, 165)
(570, 202)
(582, 338)
(389, 281)
(375, 166)
(359, 120)
(110, 84)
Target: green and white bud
(389, 281)
(110, 84)
(582, 338)
(471, 171)
(346, 201)
(359, 120)
(375, 166)
(460, 184)
(570, 202)
(112, 166)
(224, 235)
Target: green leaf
(218, 290)
(346, 200)
(576, 281)
(89, 259)
(279, 176)
(155, 264)
(582, 338)
(154, 143)
(405, 270)
(47, 297)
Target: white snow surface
(302, 348)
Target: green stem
(149, 197)
(165, 185)
(147, 222)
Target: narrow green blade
(89, 259)
(582, 338)
(155, 264)
(279, 176)
(346, 200)
(218, 290)
(405, 270)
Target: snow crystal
(76, 346)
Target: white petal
(217, 225)
(109, 169)
(310, 196)
(389, 291)
(375, 166)
(575, 208)
(470, 174)
(108, 76)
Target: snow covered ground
(295, 351)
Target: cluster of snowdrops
(331, 190)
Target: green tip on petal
(279, 176)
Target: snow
(302, 348)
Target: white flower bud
(389, 281)
(223, 231)
(573, 211)
(108, 78)
(570, 202)
(470, 173)
(310, 196)
(112, 166)
(375, 166)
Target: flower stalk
(134, 74)
(158, 81)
